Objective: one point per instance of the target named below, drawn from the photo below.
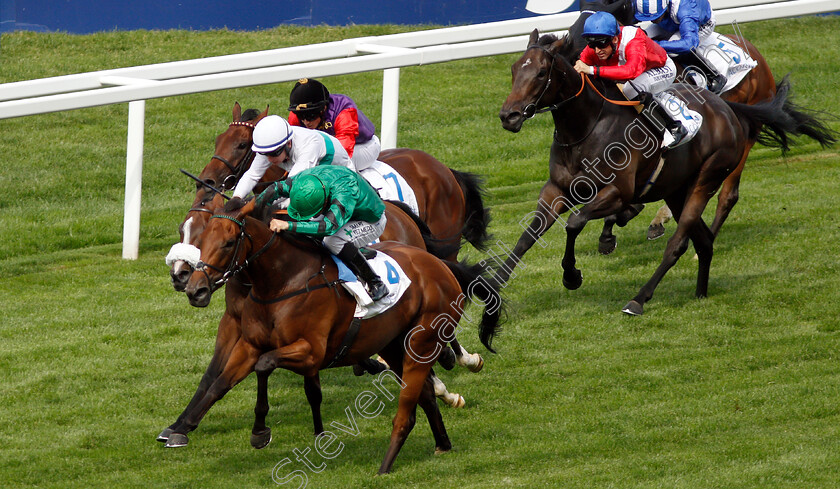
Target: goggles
(598, 42)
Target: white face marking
(187, 226)
(526, 63)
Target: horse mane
(249, 115)
(565, 48)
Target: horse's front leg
(606, 202)
(607, 241)
(226, 338)
(240, 363)
(549, 208)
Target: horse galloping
(295, 320)
(604, 156)
(450, 201)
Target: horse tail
(772, 122)
(434, 246)
(474, 284)
(477, 216)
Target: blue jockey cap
(650, 9)
(600, 24)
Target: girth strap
(292, 294)
(347, 342)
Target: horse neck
(284, 265)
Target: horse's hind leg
(657, 226)
(607, 241)
(471, 361)
(452, 399)
(688, 219)
(429, 405)
(728, 196)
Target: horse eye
(243, 145)
(229, 243)
(542, 73)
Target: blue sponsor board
(87, 16)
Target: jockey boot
(676, 131)
(716, 84)
(354, 260)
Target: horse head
(542, 75)
(233, 154)
(224, 245)
(190, 229)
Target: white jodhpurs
(360, 233)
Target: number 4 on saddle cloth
(390, 185)
(392, 276)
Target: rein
(232, 268)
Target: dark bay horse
(450, 202)
(758, 85)
(608, 158)
(297, 320)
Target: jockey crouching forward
(292, 148)
(338, 204)
(626, 53)
(311, 105)
(684, 29)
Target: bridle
(531, 110)
(233, 267)
(239, 169)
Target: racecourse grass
(99, 354)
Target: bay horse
(402, 226)
(757, 86)
(606, 157)
(295, 318)
(450, 202)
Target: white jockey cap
(270, 133)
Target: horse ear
(237, 112)
(248, 208)
(556, 45)
(260, 117)
(535, 35)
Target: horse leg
(239, 365)
(312, 388)
(687, 218)
(430, 408)
(226, 338)
(451, 399)
(605, 203)
(471, 361)
(607, 241)
(657, 225)
(728, 196)
(261, 434)
(549, 208)
(414, 376)
(703, 239)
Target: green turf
(98, 354)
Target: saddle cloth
(739, 63)
(390, 185)
(392, 276)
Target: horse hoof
(459, 403)
(572, 280)
(655, 231)
(607, 245)
(176, 440)
(441, 451)
(478, 366)
(633, 308)
(164, 435)
(261, 439)
(446, 359)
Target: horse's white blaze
(187, 230)
(526, 63)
